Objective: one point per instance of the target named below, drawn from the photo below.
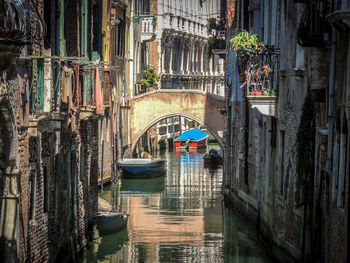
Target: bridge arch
(149, 108)
(160, 118)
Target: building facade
(62, 75)
(288, 165)
(179, 52)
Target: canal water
(180, 217)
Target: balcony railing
(258, 73)
(20, 22)
(148, 24)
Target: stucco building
(179, 52)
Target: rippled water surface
(179, 217)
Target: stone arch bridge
(149, 108)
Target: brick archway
(150, 108)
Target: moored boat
(142, 168)
(108, 222)
(213, 157)
(192, 139)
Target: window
(120, 36)
(47, 17)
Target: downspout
(331, 118)
(57, 51)
(262, 6)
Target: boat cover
(194, 134)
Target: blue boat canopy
(194, 134)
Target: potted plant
(254, 67)
(149, 79)
(245, 43)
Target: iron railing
(20, 21)
(258, 72)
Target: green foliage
(149, 78)
(211, 25)
(244, 42)
(269, 92)
(305, 153)
(210, 46)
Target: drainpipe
(262, 20)
(331, 105)
(331, 118)
(57, 51)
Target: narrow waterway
(180, 217)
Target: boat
(142, 167)
(192, 139)
(213, 157)
(108, 222)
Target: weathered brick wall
(94, 171)
(10, 95)
(154, 7)
(106, 151)
(339, 213)
(154, 55)
(24, 190)
(38, 221)
(89, 169)
(58, 167)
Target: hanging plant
(211, 25)
(246, 43)
(305, 153)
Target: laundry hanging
(99, 108)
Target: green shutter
(84, 28)
(62, 29)
(38, 67)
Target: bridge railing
(208, 84)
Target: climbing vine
(305, 153)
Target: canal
(180, 217)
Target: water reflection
(179, 217)
(152, 185)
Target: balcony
(148, 25)
(259, 78)
(20, 24)
(314, 30)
